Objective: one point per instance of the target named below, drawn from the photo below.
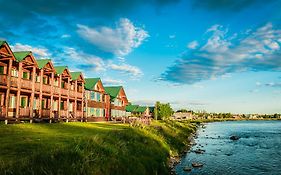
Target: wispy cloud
(192, 45)
(119, 41)
(133, 71)
(111, 81)
(38, 51)
(223, 53)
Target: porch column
(75, 102)
(83, 98)
(52, 96)
(7, 100)
(18, 91)
(32, 94)
(60, 78)
(41, 95)
(67, 100)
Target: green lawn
(90, 148)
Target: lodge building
(34, 89)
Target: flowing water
(258, 151)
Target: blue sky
(213, 55)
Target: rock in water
(187, 168)
(234, 138)
(197, 165)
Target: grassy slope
(90, 148)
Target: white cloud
(134, 71)
(65, 36)
(81, 59)
(111, 81)
(119, 41)
(223, 53)
(193, 45)
(39, 51)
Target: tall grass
(91, 148)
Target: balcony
(45, 112)
(122, 108)
(96, 104)
(72, 93)
(26, 84)
(64, 92)
(79, 114)
(63, 113)
(2, 112)
(46, 88)
(37, 86)
(3, 79)
(14, 81)
(24, 112)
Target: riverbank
(92, 148)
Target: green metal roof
(113, 91)
(2, 42)
(131, 108)
(90, 83)
(140, 109)
(60, 69)
(75, 75)
(42, 62)
(21, 55)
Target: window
(62, 84)
(45, 80)
(55, 105)
(62, 105)
(23, 102)
(34, 104)
(56, 83)
(1, 69)
(38, 79)
(25, 75)
(14, 72)
(12, 102)
(93, 94)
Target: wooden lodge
(36, 90)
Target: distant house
(97, 100)
(182, 116)
(118, 101)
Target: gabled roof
(113, 91)
(131, 108)
(42, 62)
(60, 69)
(2, 42)
(90, 83)
(140, 109)
(75, 75)
(21, 55)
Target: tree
(162, 111)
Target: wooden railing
(45, 112)
(46, 88)
(79, 114)
(14, 81)
(79, 94)
(26, 84)
(63, 113)
(2, 111)
(72, 93)
(3, 79)
(64, 91)
(56, 90)
(37, 86)
(24, 112)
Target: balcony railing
(3, 79)
(26, 84)
(72, 93)
(79, 114)
(64, 91)
(24, 112)
(63, 113)
(46, 88)
(56, 90)
(45, 112)
(2, 111)
(37, 86)
(14, 81)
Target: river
(257, 152)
